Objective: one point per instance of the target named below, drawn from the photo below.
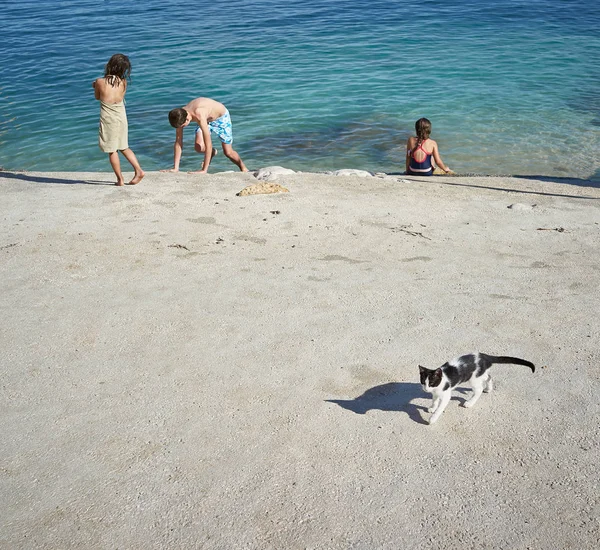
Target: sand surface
(184, 368)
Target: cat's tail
(510, 360)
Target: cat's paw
(468, 404)
(430, 409)
(433, 419)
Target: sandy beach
(187, 368)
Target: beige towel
(113, 127)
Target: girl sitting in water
(420, 149)
(113, 132)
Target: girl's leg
(232, 155)
(139, 173)
(116, 166)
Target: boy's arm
(408, 149)
(177, 149)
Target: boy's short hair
(177, 117)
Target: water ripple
(511, 86)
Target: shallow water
(510, 87)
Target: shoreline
(184, 367)
(276, 172)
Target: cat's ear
(437, 376)
(422, 369)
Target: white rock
(348, 172)
(271, 172)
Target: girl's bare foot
(120, 183)
(137, 178)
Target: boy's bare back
(205, 108)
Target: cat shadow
(394, 397)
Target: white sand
(169, 351)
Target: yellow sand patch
(263, 188)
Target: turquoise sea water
(511, 87)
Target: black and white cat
(473, 368)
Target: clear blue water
(511, 87)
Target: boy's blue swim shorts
(222, 127)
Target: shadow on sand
(593, 183)
(42, 179)
(568, 181)
(393, 396)
(524, 191)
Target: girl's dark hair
(423, 129)
(117, 68)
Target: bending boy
(209, 115)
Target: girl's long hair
(118, 68)
(423, 129)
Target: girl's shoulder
(114, 81)
(429, 144)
